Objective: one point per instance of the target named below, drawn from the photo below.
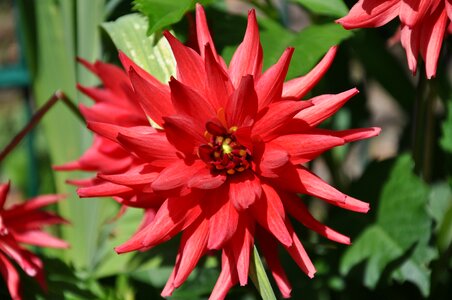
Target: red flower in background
(424, 24)
(23, 224)
(224, 168)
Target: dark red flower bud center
(224, 153)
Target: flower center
(224, 153)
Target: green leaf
(446, 139)
(310, 44)
(332, 8)
(259, 277)
(163, 13)
(402, 231)
(129, 35)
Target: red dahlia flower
(424, 24)
(224, 166)
(22, 224)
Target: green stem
(423, 130)
(58, 95)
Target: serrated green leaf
(129, 35)
(332, 8)
(259, 277)
(402, 224)
(446, 139)
(163, 13)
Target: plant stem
(58, 95)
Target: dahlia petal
(10, 247)
(324, 106)
(220, 87)
(40, 238)
(154, 97)
(203, 34)
(34, 203)
(97, 94)
(247, 59)
(184, 133)
(269, 247)
(11, 277)
(223, 224)
(411, 11)
(241, 108)
(205, 180)
(298, 87)
(303, 181)
(4, 189)
(176, 175)
(241, 244)
(305, 147)
(298, 253)
(173, 216)
(111, 131)
(351, 135)
(431, 39)
(226, 280)
(244, 189)
(270, 85)
(128, 64)
(102, 189)
(300, 212)
(190, 67)
(273, 158)
(370, 13)
(409, 37)
(187, 101)
(269, 213)
(276, 116)
(192, 247)
(448, 4)
(153, 148)
(142, 174)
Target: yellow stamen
(242, 152)
(226, 148)
(230, 171)
(216, 154)
(241, 169)
(233, 129)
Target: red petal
(154, 97)
(352, 135)
(244, 189)
(324, 106)
(11, 277)
(298, 253)
(190, 67)
(218, 83)
(223, 223)
(227, 278)
(184, 133)
(241, 244)
(431, 39)
(277, 115)
(4, 189)
(103, 189)
(370, 13)
(409, 38)
(203, 34)
(188, 102)
(269, 248)
(40, 238)
(205, 180)
(270, 85)
(192, 247)
(269, 212)
(142, 174)
(177, 175)
(300, 212)
(298, 87)
(241, 108)
(305, 147)
(154, 148)
(411, 11)
(247, 59)
(273, 158)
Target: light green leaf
(402, 225)
(163, 13)
(129, 35)
(446, 140)
(259, 277)
(332, 8)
